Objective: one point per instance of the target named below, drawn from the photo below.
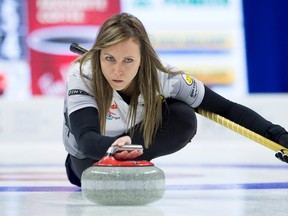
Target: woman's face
(120, 64)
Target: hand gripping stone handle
(113, 149)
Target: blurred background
(238, 48)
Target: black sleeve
(241, 115)
(86, 130)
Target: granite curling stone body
(112, 182)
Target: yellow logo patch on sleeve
(188, 79)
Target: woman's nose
(118, 70)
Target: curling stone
(113, 182)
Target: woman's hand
(125, 155)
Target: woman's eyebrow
(129, 56)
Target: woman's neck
(129, 91)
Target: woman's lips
(117, 81)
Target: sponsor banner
(53, 26)
(203, 38)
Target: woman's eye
(128, 60)
(109, 58)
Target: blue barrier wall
(266, 35)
